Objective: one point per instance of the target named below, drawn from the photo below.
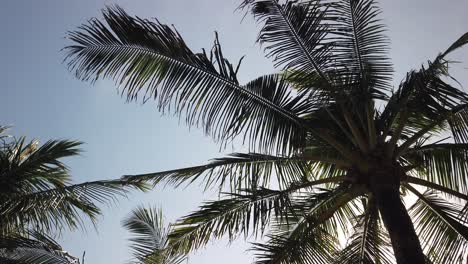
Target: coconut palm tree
(334, 147)
(37, 199)
(149, 237)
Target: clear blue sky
(43, 100)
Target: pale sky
(43, 100)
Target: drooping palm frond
(443, 234)
(308, 244)
(369, 243)
(152, 58)
(150, 239)
(33, 247)
(35, 187)
(36, 191)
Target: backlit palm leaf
(369, 243)
(34, 247)
(152, 58)
(149, 237)
(443, 234)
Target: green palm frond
(294, 34)
(424, 96)
(307, 244)
(237, 170)
(247, 213)
(36, 191)
(445, 164)
(443, 234)
(304, 236)
(369, 243)
(152, 58)
(337, 43)
(33, 247)
(27, 167)
(361, 47)
(149, 240)
(62, 207)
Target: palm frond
(369, 243)
(35, 247)
(149, 238)
(444, 164)
(460, 42)
(443, 237)
(57, 208)
(152, 58)
(245, 213)
(294, 34)
(361, 47)
(27, 167)
(308, 244)
(425, 95)
(308, 235)
(238, 170)
(334, 46)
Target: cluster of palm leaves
(38, 201)
(334, 146)
(150, 237)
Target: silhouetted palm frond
(149, 237)
(33, 247)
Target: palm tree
(334, 147)
(149, 237)
(37, 199)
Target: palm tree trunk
(405, 242)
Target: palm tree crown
(37, 199)
(334, 146)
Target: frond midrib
(299, 42)
(297, 120)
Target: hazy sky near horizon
(43, 100)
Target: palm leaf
(304, 237)
(305, 245)
(245, 213)
(57, 208)
(361, 47)
(424, 96)
(293, 33)
(369, 243)
(36, 247)
(151, 57)
(443, 237)
(27, 167)
(444, 164)
(238, 170)
(149, 237)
